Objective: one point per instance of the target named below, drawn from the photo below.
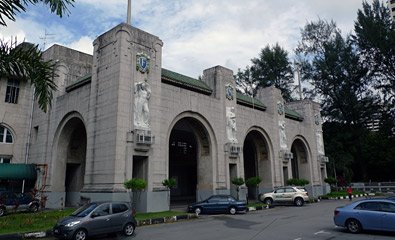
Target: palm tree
(24, 61)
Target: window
(289, 190)
(4, 159)
(369, 206)
(103, 210)
(5, 135)
(280, 190)
(12, 93)
(388, 207)
(118, 208)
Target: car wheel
(353, 226)
(128, 230)
(33, 207)
(80, 234)
(2, 211)
(268, 201)
(299, 202)
(198, 210)
(232, 210)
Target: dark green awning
(13, 171)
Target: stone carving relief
(280, 108)
(320, 143)
(283, 137)
(231, 124)
(142, 94)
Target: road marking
(321, 232)
(298, 239)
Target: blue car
(218, 204)
(368, 214)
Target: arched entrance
(256, 161)
(189, 160)
(299, 163)
(70, 159)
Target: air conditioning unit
(323, 158)
(144, 137)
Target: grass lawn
(22, 222)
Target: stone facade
(91, 142)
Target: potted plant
(169, 184)
(136, 186)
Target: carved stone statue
(231, 124)
(320, 143)
(142, 94)
(283, 137)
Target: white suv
(295, 195)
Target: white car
(296, 195)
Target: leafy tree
(136, 185)
(273, 68)
(297, 182)
(375, 37)
(245, 83)
(342, 81)
(238, 182)
(25, 62)
(9, 8)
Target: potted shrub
(136, 186)
(169, 184)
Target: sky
(197, 34)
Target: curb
(166, 219)
(353, 196)
(48, 233)
(251, 209)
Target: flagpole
(129, 17)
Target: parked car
(18, 201)
(367, 214)
(218, 204)
(97, 218)
(288, 194)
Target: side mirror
(94, 214)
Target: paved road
(312, 221)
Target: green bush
(253, 181)
(238, 181)
(169, 183)
(297, 182)
(135, 184)
(330, 180)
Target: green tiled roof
(249, 101)
(79, 83)
(291, 114)
(183, 81)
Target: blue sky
(197, 34)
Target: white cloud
(197, 34)
(84, 44)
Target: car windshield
(84, 210)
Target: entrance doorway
(183, 162)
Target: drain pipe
(29, 135)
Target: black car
(218, 204)
(18, 201)
(97, 218)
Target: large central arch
(256, 160)
(300, 162)
(69, 159)
(190, 159)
